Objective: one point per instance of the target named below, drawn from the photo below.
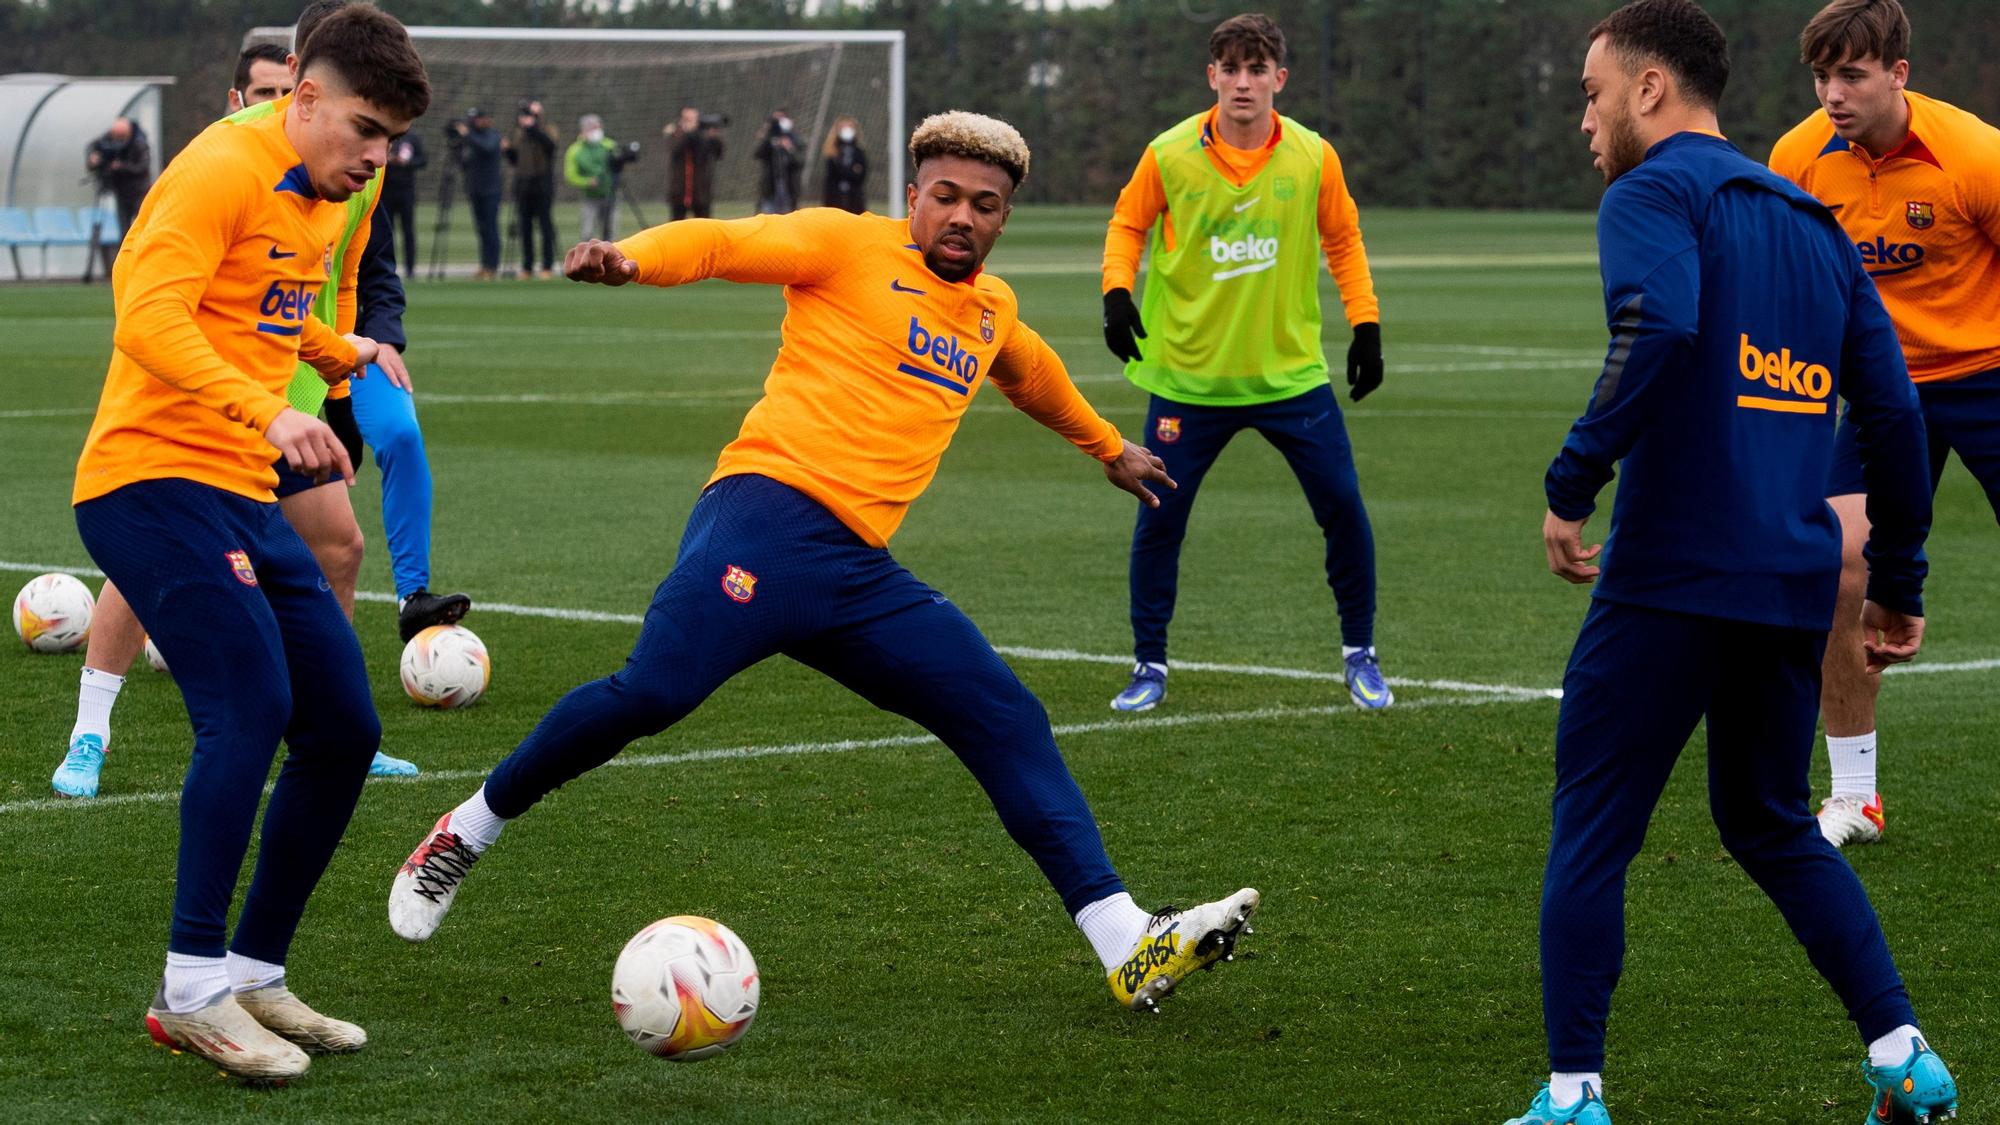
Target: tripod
(622, 190)
(513, 235)
(447, 191)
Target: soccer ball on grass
(685, 988)
(445, 666)
(52, 613)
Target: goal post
(636, 80)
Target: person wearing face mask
(778, 152)
(587, 166)
(846, 167)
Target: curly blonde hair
(974, 136)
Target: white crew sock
(1349, 650)
(246, 973)
(1566, 1088)
(193, 983)
(1894, 1048)
(94, 697)
(1160, 668)
(1853, 762)
(1113, 926)
(475, 823)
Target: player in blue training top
(1738, 310)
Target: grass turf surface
(915, 966)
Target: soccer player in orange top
(214, 294)
(1916, 184)
(891, 327)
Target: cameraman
(778, 187)
(476, 146)
(123, 165)
(694, 144)
(531, 149)
(589, 164)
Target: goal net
(638, 80)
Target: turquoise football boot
(1919, 1092)
(77, 776)
(1587, 1110)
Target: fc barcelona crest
(1920, 215)
(739, 584)
(239, 565)
(986, 325)
(1285, 188)
(1169, 430)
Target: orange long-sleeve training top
(878, 361)
(1143, 201)
(214, 288)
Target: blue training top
(1738, 311)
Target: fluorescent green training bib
(1232, 310)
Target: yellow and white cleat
(289, 1018)
(1176, 943)
(1851, 820)
(226, 1035)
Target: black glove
(1121, 323)
(340, 415)
(1364, 361)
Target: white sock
(94, 697)
(1160, 668)
(1853, 761)
(193, 983)
(246, 973)
(475, 823)
(1349, 650)
(1113, 926)
(1894, 1048)
(1566, 1088)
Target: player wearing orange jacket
(1916, 185)
(214, 291)
(1240, 204)
(891, 327)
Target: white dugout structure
(46, 122)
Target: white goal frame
(898, 139)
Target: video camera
(621, 155)
(715, 121)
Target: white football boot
(288, 1016)
(1176, 943)
(1851, 820)
(429, 881)
(226, 1035)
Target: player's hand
(599, 263)
(1889, 637)
(366, 352)
(1364, 361)
(309, 446)
(1133, 468)
(340, 418)
(391, 362)
(1121, 324)
(1569, 559)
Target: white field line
(59, 412)
(741, 753)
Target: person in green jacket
(587, 165)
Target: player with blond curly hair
(891, 327)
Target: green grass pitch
(915, 965)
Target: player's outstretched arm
(598, 262)
(802, 248)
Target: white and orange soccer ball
(154, 658)
(685, 988)
(52, 613)
(446, 666)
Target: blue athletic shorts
(291, 482)
(1960, 415)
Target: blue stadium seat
(16, 231)
(57, 226)
(108, 234)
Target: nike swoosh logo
(1835, 206)
(277, 254)
(902, 288)
(1317, 419)
(1362, 690)
(1242, 207)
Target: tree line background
(1431, 103)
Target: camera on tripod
(621, 155)
(715, 121)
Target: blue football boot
(77, 776)
(385, 766)
(1587, 1110)
(1146, 691)
(1918, 1092)
(1365, 685)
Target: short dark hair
(310, 17)
(373, 55)
(1247, 38)
(1848, 30)
(1677, 34)
(262, 52)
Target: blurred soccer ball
(52, 613)
(685, 988)
(445, 666)
(154, 658)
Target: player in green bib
(1234, 208)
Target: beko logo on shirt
(1241, 246)
(1786, 374)
(942, 350)
(288, 303)
(1882, 257)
